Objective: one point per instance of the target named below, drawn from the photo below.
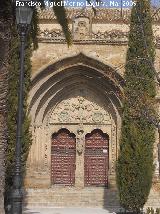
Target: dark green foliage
(5, 9)
(7, 12)
(135, 162)
(61, 18)
(14, 66)
(34, 29)
(13, 102)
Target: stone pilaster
(79, 173)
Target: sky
(105, 3)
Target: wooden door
(96, 159)
(63, 155)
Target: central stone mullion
(79, 172)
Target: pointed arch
(62, 78)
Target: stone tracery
(79, 110)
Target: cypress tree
(7, 11)
(4, 55)
(135, 162)
(13, 84)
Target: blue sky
(156, 2)
(117, 3)
(105, 3)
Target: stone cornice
(102, 15)
(83, 31)
(113, 37)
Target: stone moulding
(114, 37)
(111, 35)
(82, 20)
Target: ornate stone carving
(113, 149)
(81, 28)
(52, 34)
(80, 141)
(81, 33)
(46, 156)
(156, 164)
(79, 110)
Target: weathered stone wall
(93, 67)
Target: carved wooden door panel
(63, 155)
(96, 159)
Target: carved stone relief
(82, 32)
(46, 147)
(113, 149)
(81, 28)
(79, 110)
(80, 141)
(158, 161)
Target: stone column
(157, 155)
(113, 156)
(31, 160)
(79, 173)
(158, 148)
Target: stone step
(153, 200)
(61, 197)
(85, 197)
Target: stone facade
(80, 89)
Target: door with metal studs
(63, 157)
(96, 159)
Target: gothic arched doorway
(96, 159)
(63, 155)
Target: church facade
(75, 108)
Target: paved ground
(66, 211)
